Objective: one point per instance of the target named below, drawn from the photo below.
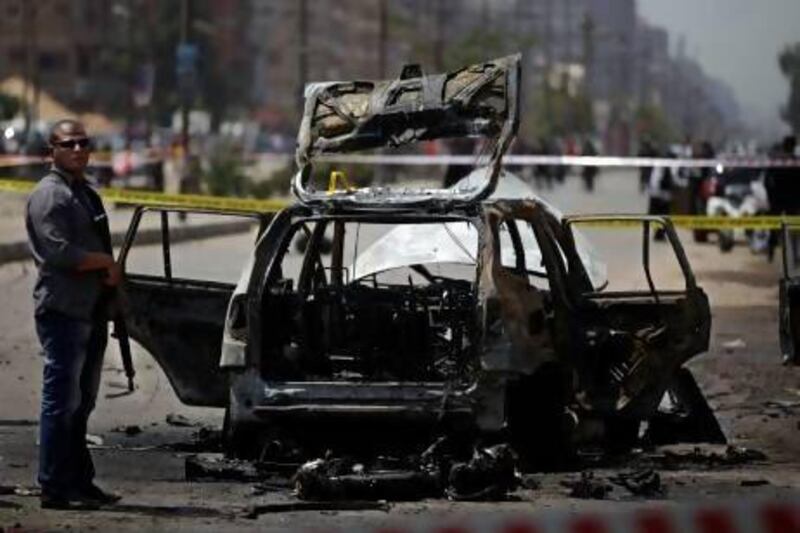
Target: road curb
(18, 251)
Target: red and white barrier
(738, 517)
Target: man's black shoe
(52, 501)
(93, 493)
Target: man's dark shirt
(62, 221)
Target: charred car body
(463, 312)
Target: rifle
(121, 334)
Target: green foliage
(9, 106)
(652, 123)
(225, 173)
(217, 90)
(789, 62)
(555, 113)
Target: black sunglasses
(70, 144)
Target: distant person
(783, 188)
(647, 149)
(589, 173)
(70, 241)
(698, 178)
(659, 192)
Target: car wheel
(726, 241)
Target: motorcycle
(738, 192)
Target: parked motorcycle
(738, 192)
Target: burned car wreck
(376, 316)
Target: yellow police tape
(199, 201)
(196, 201)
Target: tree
(554, 112)
(789, 62)
(652, 123)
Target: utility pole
(302, 58)
(587, 38)
(185, 17)
(31, 77)
(130, 73)
(383, 37)
(548, 61)
(438, 44)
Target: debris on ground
(254, 511)
(129, 431)
(9, 505)
(645, 483)
(531, 483)
(489, 475)
(754, 482)
(784, 405)
(344, 479)
(178, 420)
(204, 440)
(588, 487)
(736, 344)
(19, 423)
(94, 441)
(706, 456)
(20, 490)
(213, 466)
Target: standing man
(71, 246)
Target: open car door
(627, 344)
(480, 100)
(790, 295)
(180, 320)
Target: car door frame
(195, 384)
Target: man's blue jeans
(73, 361)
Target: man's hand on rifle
(114, 276)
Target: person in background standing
(783, 188)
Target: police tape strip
(743, 516)
(152, 198)
(511, 159)
(570, 160)
(200, 201)
(10, 161)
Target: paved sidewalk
(13, 240)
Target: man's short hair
(63, 124)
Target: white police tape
(569, 160)
(511, 159)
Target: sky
(737, 41)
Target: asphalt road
(756, 400)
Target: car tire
(726, 241)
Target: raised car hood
(476, 101)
